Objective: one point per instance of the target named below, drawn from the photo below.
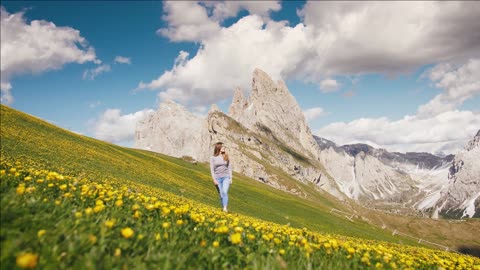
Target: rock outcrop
(461, 197)
(171, 130)
(272, 111)
(267, 136)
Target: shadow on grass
(470, 250)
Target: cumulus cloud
(37, 46)
(447, 132)
(459, 84)
(389, 37)
(438, 125)
(333, 39)
(90, 74)
(328, 85)
(222, 10)
(314, 113)
(187, 21)
(115, 127)
(123, 60)
(228, 60)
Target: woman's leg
(224, 191)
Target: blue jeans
(223, 185)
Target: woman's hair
(216, 151)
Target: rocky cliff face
(362, 176)
(171, 130)
(272, 111)
(461, 197)
(253, 132)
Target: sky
(404, 76)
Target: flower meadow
(55, 221)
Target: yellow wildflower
(27, 260)
(236, 238)
(109, 223)
(40, 233)
(127, 232)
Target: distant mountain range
(269, 140)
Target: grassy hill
(30, 145)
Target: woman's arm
(230, 170)
(212, 171)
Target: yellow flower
(281, 251)
(88, 211)
(236, 238)
(109, 223)
(40, 233)
(179, 222)
(166, 225)
(127, 232)
(27, 260)
(135, 207)
(20, 190)
(203, 243)
(92, 238)
(165, 211)
(215, 244)
(136, 214)
(63, 187)
(119, 203)
(78, 214)
(118, 252)
(98, 208)
(28, 178)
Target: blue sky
(373, 82)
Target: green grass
(39, 213)
(26, 138)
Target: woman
(221, 169)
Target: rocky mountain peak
(239, 103)
(214, 108)
(272, 110)
(473, 143)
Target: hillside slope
(33, 141)
(26, 138)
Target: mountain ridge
(268, 137)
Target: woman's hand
(215, 182)
(231, 181)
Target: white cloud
(438, 125)
(228, 60)
(314, 113)
(389, 37)
(90, 74)
(334, 39)
(187, 21)
(222, 10)
(123, 60)
(446, 132)
(459, 84)
(94, 104)
(114, 127)
(37, 47)
(328, 85)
